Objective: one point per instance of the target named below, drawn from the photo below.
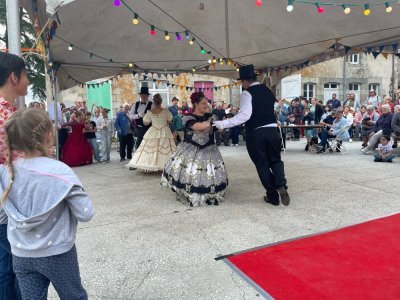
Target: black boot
(307, 146)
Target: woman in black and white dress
(196, 172)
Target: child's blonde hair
(26, 131)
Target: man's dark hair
(10, 63)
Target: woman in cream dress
(158, 143)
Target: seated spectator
(327, 122)
(308, 117)
(385, 150)
(357, 121)
(387, 100)
(383, 126)
(352, 102)
(348, 115)
(327, 112)
(335, 131)
(367, 123)
(396, 126)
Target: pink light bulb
(321, 9)
(259, 2)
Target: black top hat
(144, 90)
(246, 72)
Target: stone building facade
(127, 87)
(356, 73)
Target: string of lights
(347, 7)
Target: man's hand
(218, 124)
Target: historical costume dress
(196, 171)
(76, 150)
(158, 143)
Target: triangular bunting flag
(375, 54)
(385, 55)
(381, 48)
(369, 49)
(395, 46)
(347, 49)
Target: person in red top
(13, 83)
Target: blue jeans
(95, 147)
(235, 131)
(378, 157)
(9, 289)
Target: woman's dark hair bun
(196, 97)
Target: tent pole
(227, 45)
(344, 78)
(56, 123)
(393, 95)
(14, 35)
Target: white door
(329, 89)
(328, 94)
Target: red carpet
(356, 262)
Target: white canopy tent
(104, 40)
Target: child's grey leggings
(35, 274)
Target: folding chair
(335, 144)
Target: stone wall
(368, 71)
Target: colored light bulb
(388, 7)
(259, 2)
(202, 51)
(117, 2)
(152, 30)
(135, 20)
(289, 7)
(178, 37)
(367, 11)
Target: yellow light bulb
(367, 12)
(130, 65)
(237, 69)
(190, 42)
(167, 37)
(135, 21)
(347, 10)
(389, 9)
(214, 61)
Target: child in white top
(106, 127)
(43, 200)
(385, 151)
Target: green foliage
(35, 65)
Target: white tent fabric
(266, 36)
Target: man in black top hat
(263, 140)
(140, 109)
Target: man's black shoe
(122, 159)
(275, 203)
(132, 168)
(285, 199)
